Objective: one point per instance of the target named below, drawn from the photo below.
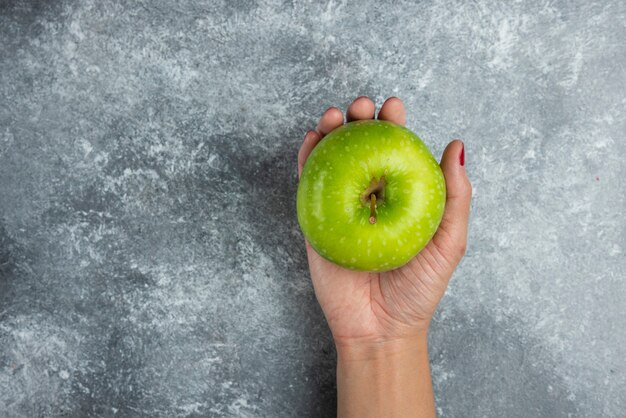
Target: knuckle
(451, 246)
(468, 189)
(461, 248)
(463, 194)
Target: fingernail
(462, 155)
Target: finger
(451, 236)
(393, 111)
(361, 108)
(331, 119)
(310, 141)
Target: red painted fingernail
(462, 156)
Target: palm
(386, 305)
(396, 303)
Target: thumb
(451, 237)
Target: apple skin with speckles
(371, 196)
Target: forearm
(390, 379)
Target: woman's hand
(378, 307)
(379, 321)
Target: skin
(380, 321)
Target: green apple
(371, 196)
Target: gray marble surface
(150, 259)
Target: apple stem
(372, 208)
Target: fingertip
(331, 119)
(393, 111)
(454, 148)
(361, 108)
(311, 135)
(332, 111)
(453, 167)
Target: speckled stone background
(150, 259)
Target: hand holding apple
(365, 306)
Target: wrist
(384, 378)
(380, 349)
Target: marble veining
(150, 259)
